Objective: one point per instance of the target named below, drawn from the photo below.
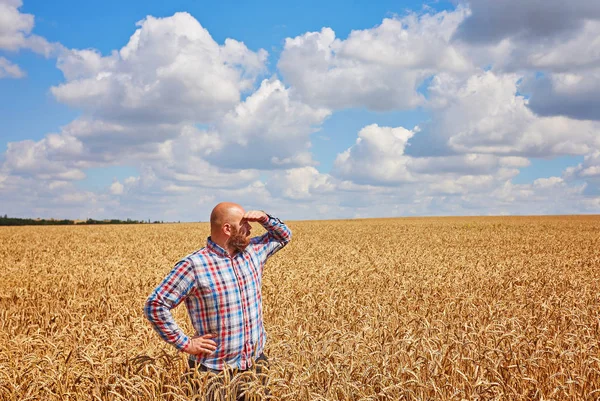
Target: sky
(314, 110)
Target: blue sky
(262, 24)
(416, 108)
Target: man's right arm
(173, 289)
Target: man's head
(228, 227)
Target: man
(221, 287)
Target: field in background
(414, 309)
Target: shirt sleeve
(277, 236)
(173, 289)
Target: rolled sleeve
(170, 293)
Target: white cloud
(381, 174)
(15, 31)
(588, 171)
(589, 168)
(544, 191)
(591, 205)
(200, 173)
(116, 188)
(59, 185)
(15, 34)
(79, 64)
(379, 158)
(492, 21)
(268, 130)
(466, 184)
(177, 188)
(472, 163)
(486, 115)
(108, 141)
(561, 40)
(77, 197)
(550, 182)
(26, 196)
(444, 194)
(379, 68)
(303, 183)
(86, 143)
(131, 180)
(182, 161)
(376, 157)
(46, 159)
(575, 95)
(15, 26)
(10, 70)
(170, 71)
(141, 105)
(569, 53)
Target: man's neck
(222, 242)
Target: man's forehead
(237, 212)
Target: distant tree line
(114, 221)
(15, 221)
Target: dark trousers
(216, 389)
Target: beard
(238, 241)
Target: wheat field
(498, 308)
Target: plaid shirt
(223, 297)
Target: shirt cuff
(270, 221)
(182, 343)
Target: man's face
(240, 235)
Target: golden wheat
(387, 309)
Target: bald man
(221, 287)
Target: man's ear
(227, 228)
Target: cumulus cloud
(569, 53)
(192, 170)
(15, 26)
(379, 68)
(442, 194)
(108, 141)
(589, 168)
(116, 188)
(376, 157)
(462, 185)
(382, 178)
(575, 95)
(485, 114)
(301, 184)
(15, 34)
(189, 75)
(560, 40)
(171, 70)
(47, 159)
(588, 172)
(492, 21)
(550, 182)
(86, 143)
(29, 196)
(268, 130)
(10, 70)
(15, 31)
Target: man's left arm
(277, 236)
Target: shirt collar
(215, 248)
